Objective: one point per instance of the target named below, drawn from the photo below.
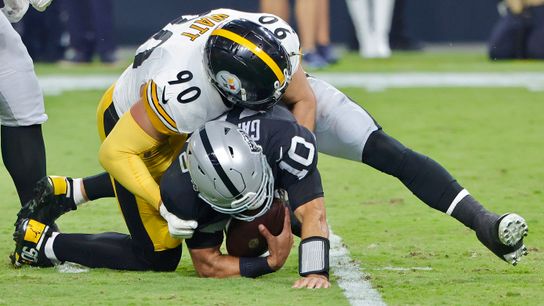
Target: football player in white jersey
(21, 103)
(228, 57)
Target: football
(244, 238)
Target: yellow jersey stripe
(253, 48)
(159, 107)
(157, 119)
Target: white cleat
(512, 229)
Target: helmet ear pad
(239, 73)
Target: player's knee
(164, 261)
(384, 153)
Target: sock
(49, 252)
(78, 195)
(98, 186)
(23, 152)
(470, 212)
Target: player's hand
(278, 246)
(40, 5)
(15, 9)
(312, 281)
(178, 228)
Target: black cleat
(30, 237)
(53, 196)
(504, 237)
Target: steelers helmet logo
(228, 81)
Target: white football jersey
(168, 70)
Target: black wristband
(254, 266)
(1, 3)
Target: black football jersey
(291, 153)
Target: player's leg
(507, 40)
(23, 153)
(535, 39)
(361, 13)
(149, 246)
(383, 16)
(56, 195)
(435, 186)
(21, 112)
(344, 129)
(279, 8)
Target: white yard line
(357, 288)
(534, 81)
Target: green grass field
(491, 140)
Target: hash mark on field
(350, 278)
(533, 81)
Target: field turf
(490, 139)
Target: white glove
(40, 5)
(15, 9)
(178, 228)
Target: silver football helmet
(230, 171)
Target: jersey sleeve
(181, 101)
(159, 113)
(297, 166)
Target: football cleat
(53, 196)
(30, 237)
(504, 237)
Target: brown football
(244, 238)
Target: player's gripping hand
(178, 228)
(40, 5)
(312, 281)
(279, 246)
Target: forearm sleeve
(120, 156)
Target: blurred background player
(22, 108)
(43, 33)
(313, 27)
(399, 37)
(519, 33)
(372, 22)
(90, 26)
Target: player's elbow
(106, 155)
(206, 269)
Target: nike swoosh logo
(163, 98)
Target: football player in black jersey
(235, 169)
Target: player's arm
(300, 177)
(301, 100)
(314, 245)
(120, 153)
(210, 262)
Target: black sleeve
(297, 166)
(202, 240)
(304, 191)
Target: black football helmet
(247, 64)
